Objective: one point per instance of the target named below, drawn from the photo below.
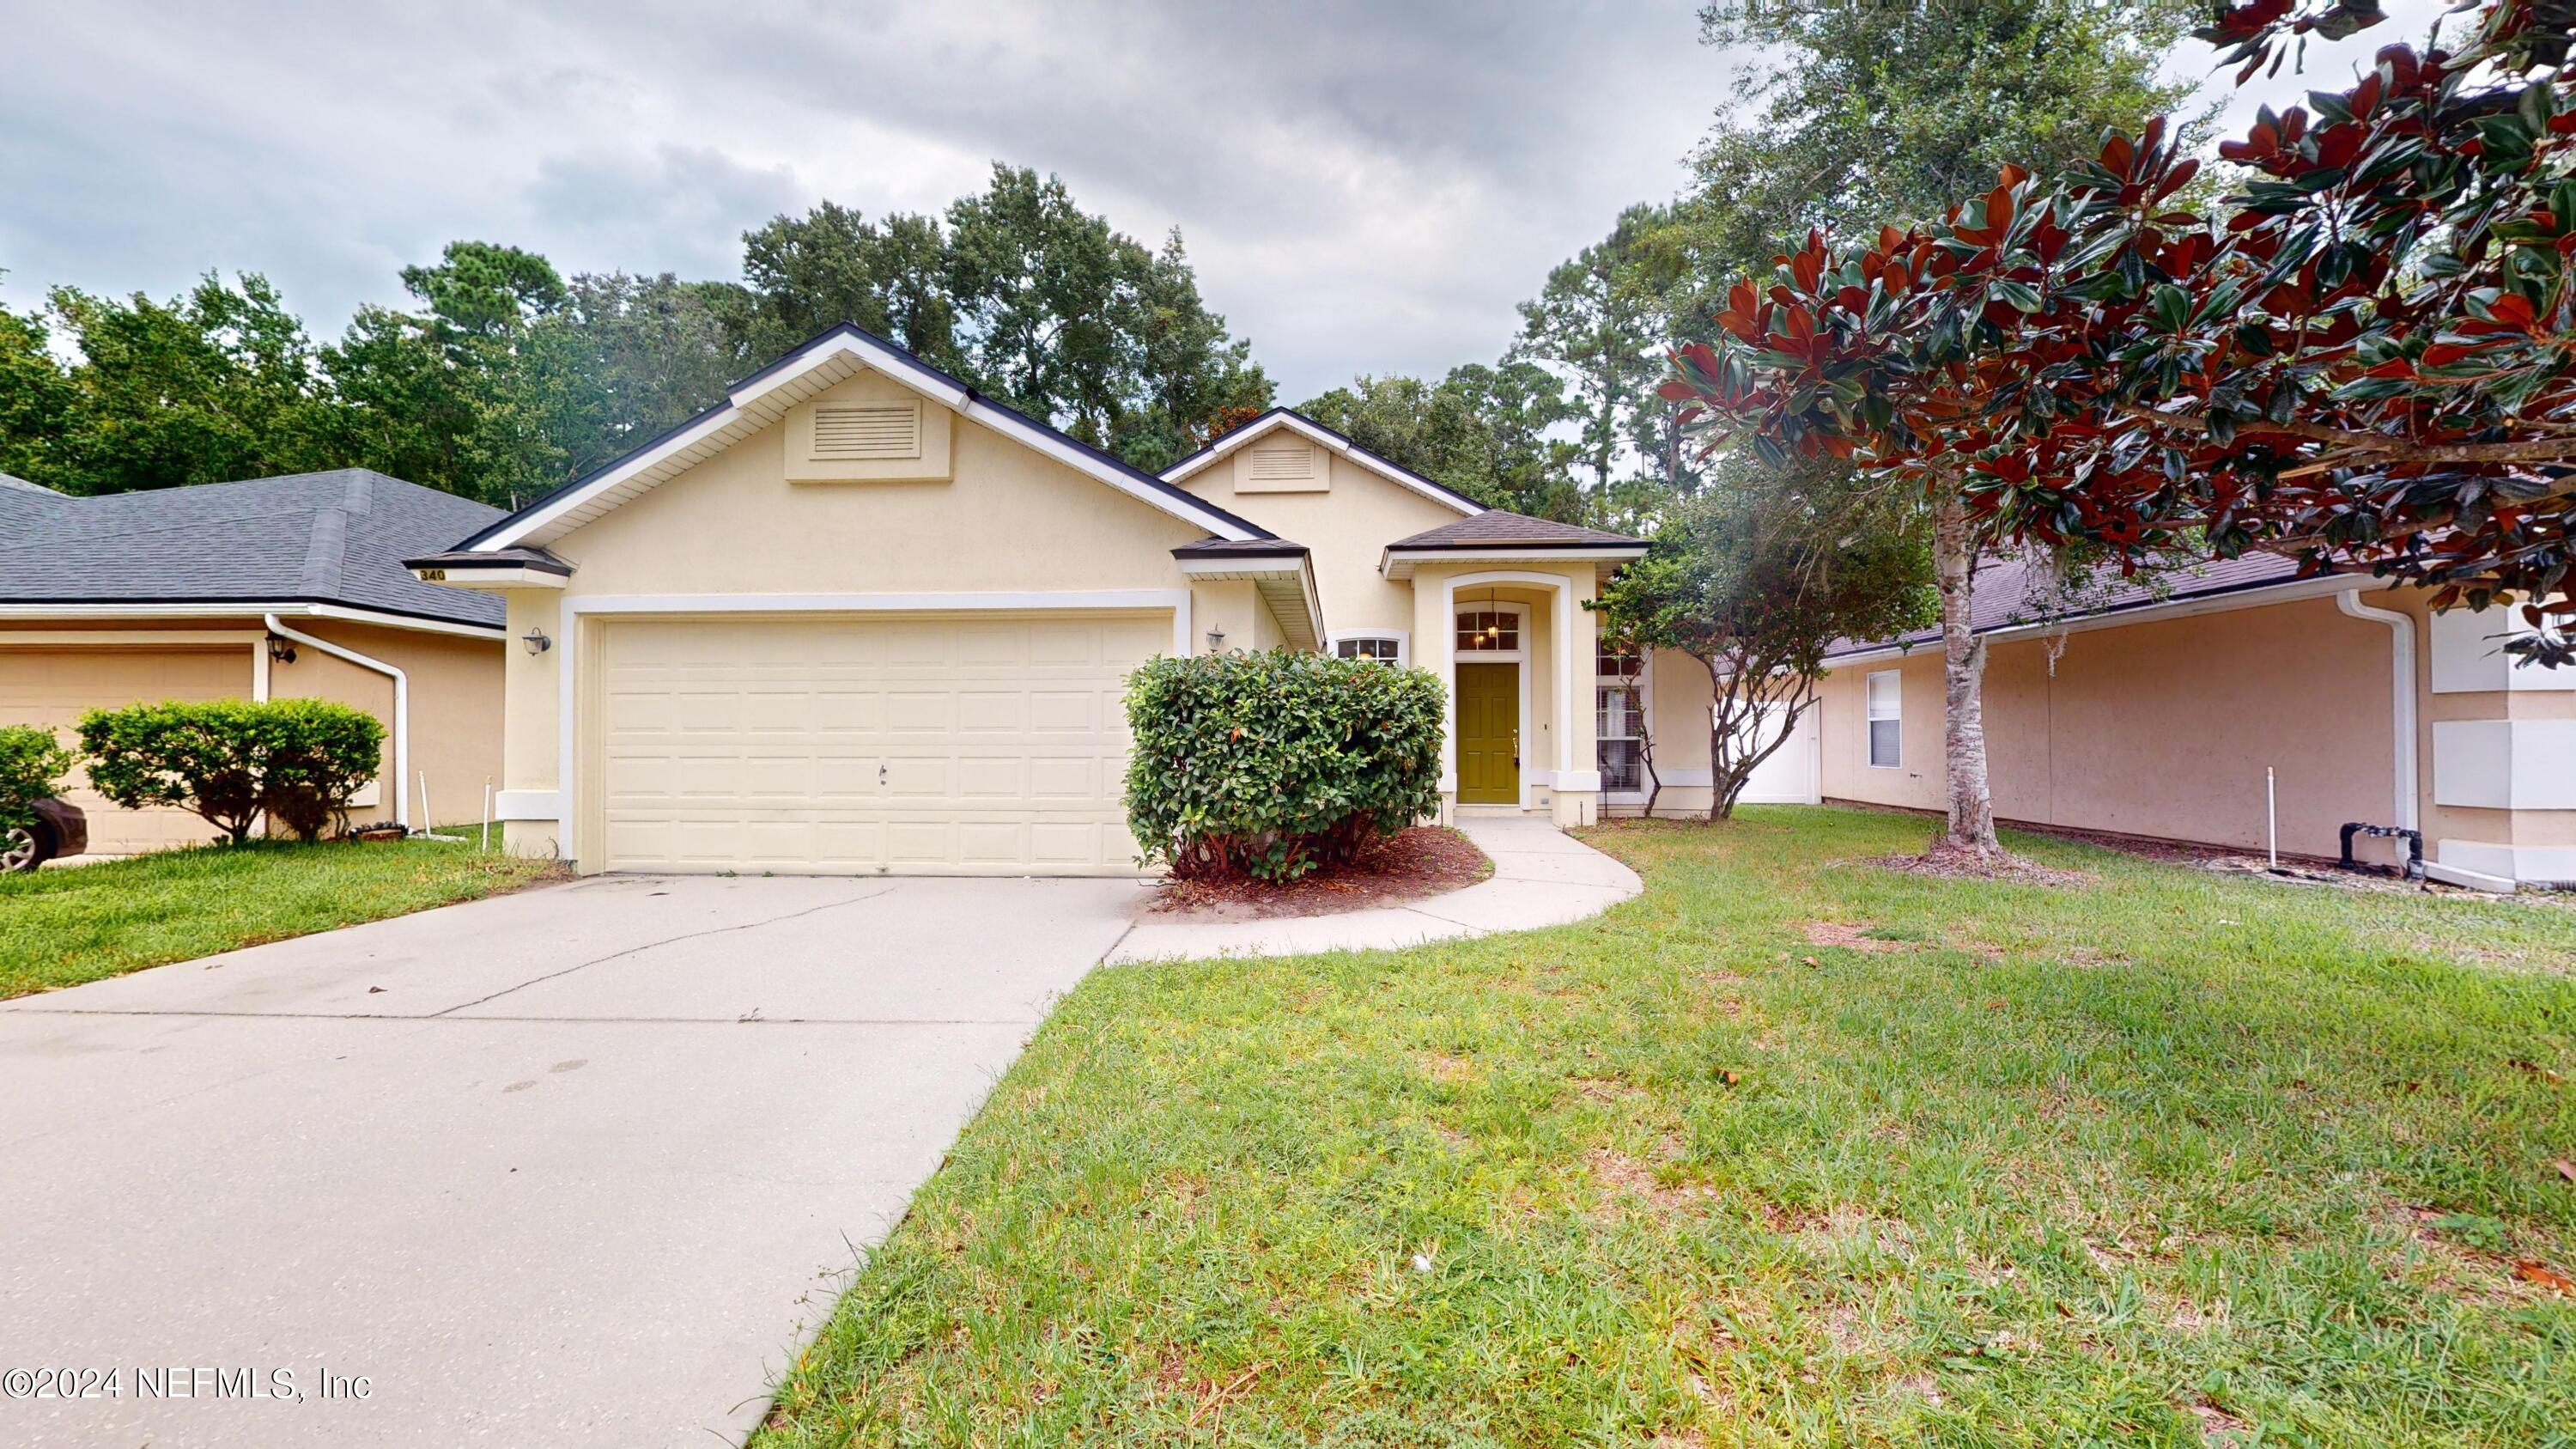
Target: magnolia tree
(1755, 576)
(2365, 356)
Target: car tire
(26, 847)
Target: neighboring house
(271, 587)
(2166, 707)
(857, 618)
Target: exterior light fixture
(1216, 640)
(537, 642)
(279, 650)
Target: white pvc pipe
(2271, 817)
(2401, 696)
(402, 704)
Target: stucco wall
(456, 704)
(52, 686)
(1348, 526)
(2531, 843)
(456, 708)
(1012, 519)
(2157, 729)
(1009, 521)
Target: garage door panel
(981, 744)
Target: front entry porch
(1518, 651)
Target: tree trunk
(1971, 824)
(1721, 801)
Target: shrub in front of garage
(229, 761)
(1276, 764)
(31, 769)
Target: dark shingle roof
(1494, 527)
(1213, 547)
(2007, 594)
(539, 559)
(336, 538)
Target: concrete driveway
(578, 1166)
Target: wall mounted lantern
(537, 642)
(279, 650)
(1216, 640)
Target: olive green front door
(1489, 734)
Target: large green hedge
(228, 760)
(1272, 764)
(31, 769)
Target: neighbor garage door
(970, 744)
(53, 687)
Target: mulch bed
(1427, 860)
(1943, 861)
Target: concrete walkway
(1542, 877)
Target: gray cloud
(1364, 187)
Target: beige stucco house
(2164, 708)
(857, 618)
(264, 588)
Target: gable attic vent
(1279, 462)
(870, 430)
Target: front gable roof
(1290, 420)
(764, 398)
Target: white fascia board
(882, 359)
(1241, 566)
(231, 610)
(125, 638)
(474, 580)
(714, 421)
(1257, 569)
(1341, 447)
(2287, 592)
(901, 369)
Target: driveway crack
(654, 945)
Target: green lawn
(2167, 1159)
(78, 923)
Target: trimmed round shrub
(1269, 765)
(31, 769)
(228, 760)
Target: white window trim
(1867, 757)
(1517, 655)
(1645, 687)
(1403, 642)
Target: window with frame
(1619, 728)
(1488, 631)
(1883, 698)
(1619, 717)
(1385, 648)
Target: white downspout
(2401, 654)
(402, 705)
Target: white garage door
(939, 744)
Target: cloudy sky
(1365, 187)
